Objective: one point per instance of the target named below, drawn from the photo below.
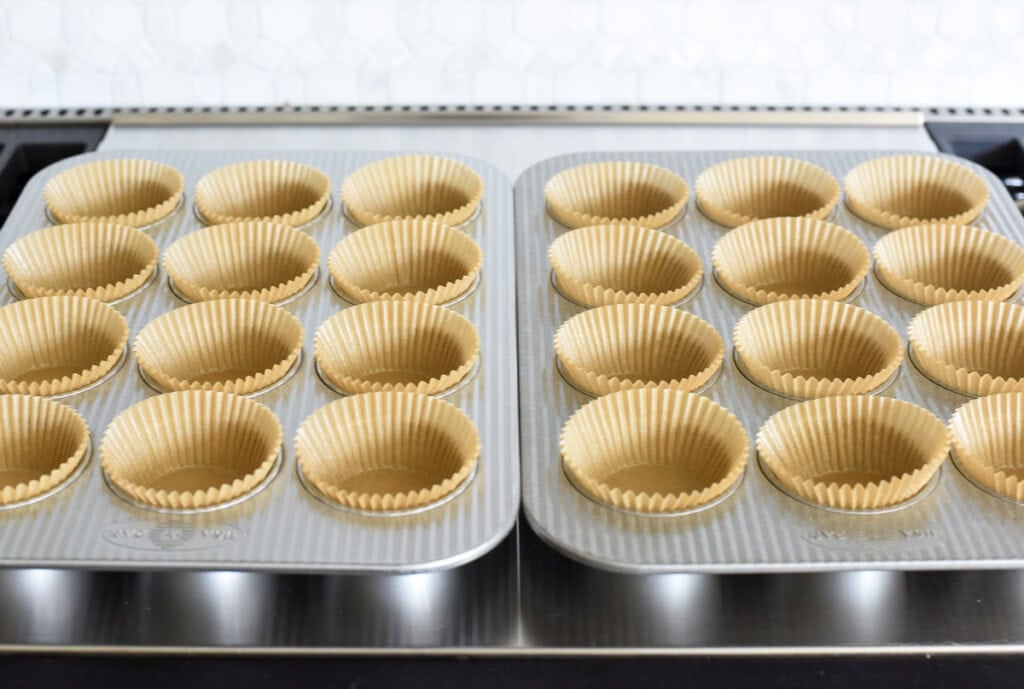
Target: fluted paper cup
(278, 191)
(425, 187)
(973, 347)
(42, 443)
(56, 345)
(191, 450)
(654, 450)
(626, 346)
(854, 452)
(735, 192)
(933, 264)
(816, 348)
(396, 345)
(123, 192)
(790, 258)
(387, 451)
(410, 259)
(249, 260)
(623, 264)
(988, 438)
(905, 190)
(616, 192)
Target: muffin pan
(950, 524)
(285, 526)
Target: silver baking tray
(284, 528)
(954, 525)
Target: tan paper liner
(124, 192)
(235, 345)
(396, 345)
(790, 258)
(975, 347)
(624, 264)
(55, 345)
(410, 259)
(191, 450)
(735, 192)
(278, 191)
(616, 192)
(96, 260)
(42, 443)
(387, 451)
(250, 260)
(654, 449)
(989, 441)
(626, 346)
(816, 348)
(854, 452)
(934, 264)
(427, 187)
(904, 190)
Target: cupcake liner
(123, 192)
(973, 347)
(96, 260)
(627, 346)
(654, 450)
(56, 345)
(191, 450)
(988, 438)
(42, 443)
(790, 258)
(616, 192)
(854, 452)
(396, 345)
(235, 345)
(739, 191)
(426, 187)
(899, 191)
(250, 260)
(934, 264)
(278, 191)
(623, 264)
(808, 348)
(387, 451)
(410, 259)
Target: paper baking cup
(625, 346)
(616, 192)
(410, 259)
(623, 264)
(816, 348)
(191, 450)
(654, 450)
(415, 186)
(899, 191)
(42, 443)
(973, 347)
(250, 260)
(788, 258)
(56, 345)
(96, 260)
(235, 345)
(934, 264)
(396, 345)
(854, 452)
(988, 438)
(279, 191)
(738, 191)
(387, 451)
(124, 192)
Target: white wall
(243, 52)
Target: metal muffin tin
(284, 527)
(759, 528)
